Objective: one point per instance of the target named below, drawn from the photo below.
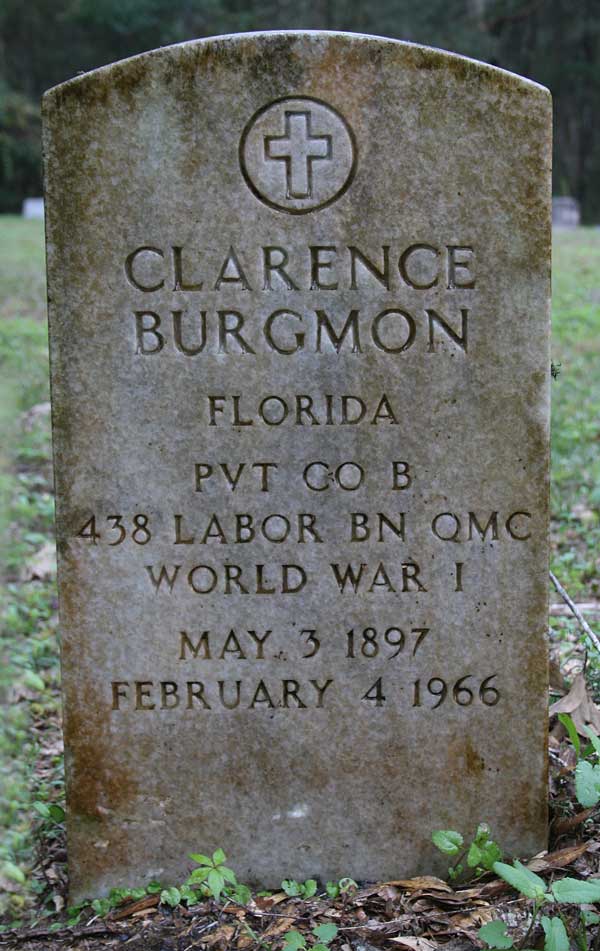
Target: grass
(576, 412)
(28, 625)
(29, 674)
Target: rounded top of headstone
(264, 45)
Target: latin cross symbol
(298, 148)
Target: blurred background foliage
(556, 42)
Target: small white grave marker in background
(33, 208)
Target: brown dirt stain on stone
(99, 781)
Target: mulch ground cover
(417, 914)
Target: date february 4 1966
(290, 694)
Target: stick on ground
(575, 610)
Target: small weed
(344, 887)
(479, 854)
(587, 771)
(211, 879)
(565, 891)
(295, 889)
(324, 935)
(213, 874)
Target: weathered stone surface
(299, 332)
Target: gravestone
(299, 337)
(565, 212)
(33, 208)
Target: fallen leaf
(278, 927)
(496, 887)
(561, 826)
(422, 883)
(393, 927)
(582, 513)
(245, 940)
(268, 901)
(474, 919)
(556, 675)
(465, 897)
(52, 746)
(559, 859)
(33, 415)
(414, 944)
(222, 936)
(6, 885)
(149, 901)
(42, 565)
(580, 706)
(468, 893)
(234, 911)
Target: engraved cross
(298, 148)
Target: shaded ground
(416, 914)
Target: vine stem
(536, 910)
(459, 859)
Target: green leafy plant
(74, 913)
(587, 775)
(173, 896)
(567, 722)
(479, 854)
(343, 887)
(295, 889)
(495, 935)
(565, 891)
(50, 811)
(240, 894)
(296, 941)
(213, 872)
(212, 878)
(102, 906)
(587, 771)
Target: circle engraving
(297, 154)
